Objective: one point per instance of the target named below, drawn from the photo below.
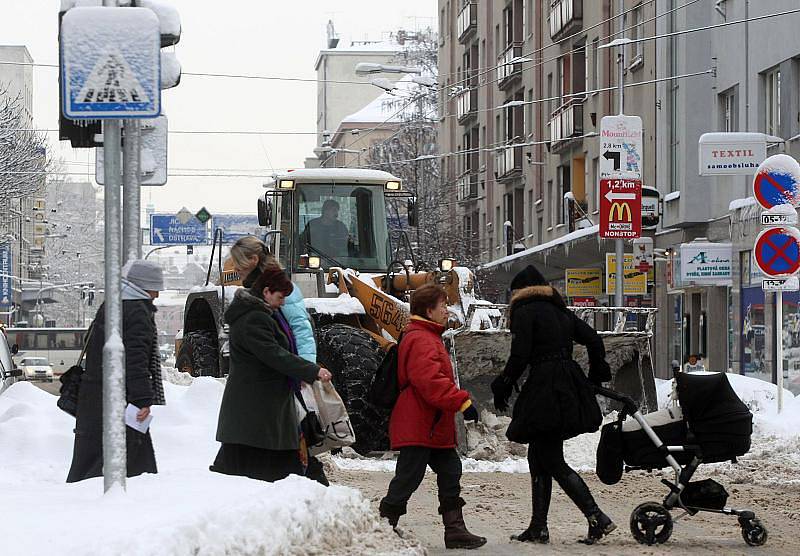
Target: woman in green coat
(258, 425)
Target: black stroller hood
(720, 422)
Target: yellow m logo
(621, 208)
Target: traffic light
(169, 23)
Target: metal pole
(779, 345)
(619, 290)
(114, 449)
(131, 193)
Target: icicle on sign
(110, 63)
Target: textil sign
(706, 263)
(731, 153)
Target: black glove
(471, 414)
(502, 387)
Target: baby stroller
(711, 425)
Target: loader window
(345, 225)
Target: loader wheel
(352, 356)
(198, 354)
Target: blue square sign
(110, 63)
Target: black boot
(391, 513)
(456, 534)
(600, 524)
(541, 488)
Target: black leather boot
(456, 534)
(600, 524)
(541, 488)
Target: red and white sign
(620, 208)
(584, 302)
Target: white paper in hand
(130, 419)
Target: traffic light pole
(619, 293)
(114, 447)
(131, 192)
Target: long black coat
(138, 335)
(543, 331)
(258, 407)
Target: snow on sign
(621, 147)
(110, 63)
(777, 182)
(620, 208)
(153, 163)
(777, 252)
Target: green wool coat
(258, 407)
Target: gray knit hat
(145, 274)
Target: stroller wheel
(753, 532)
(651, 523)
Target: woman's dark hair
(426, 297)
(273, 278)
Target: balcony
(508, 163)
(467, 22)
(467, 187)
(507, 68)
(566, 16)
(566, 123)
(466, 104)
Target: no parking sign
(777, 182)
(777, 252)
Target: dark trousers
(410, 470)
(546, 462)
(316, 472)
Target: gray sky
(253, 37)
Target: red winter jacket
(424, 414)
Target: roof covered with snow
(350, 175)
(592, 230)
(390, 107)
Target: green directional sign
(203, 215)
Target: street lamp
(367, 68)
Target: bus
(60, 346)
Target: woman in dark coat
(422, 426)
(142, 377)
(258, 425)
(548, 408)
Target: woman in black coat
(142, 380)
(258, 425)
(550, 407)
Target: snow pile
(345, 304)
(185, 509)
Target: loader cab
(326, 218)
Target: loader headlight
(286, 185)
(392, 186)
(314, 261)
(446, 265)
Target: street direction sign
(6, 268)
(167, 229)
(236, 226)
(110, 63)
(790, 284)
(620, 208)
(777, 252)
(153, 162)
(621, 147)
(777, 182)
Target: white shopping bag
(333, 417)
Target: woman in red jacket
(422, 426)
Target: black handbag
(310, 426)
(71, 382)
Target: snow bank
(185, 509)
(345, 304)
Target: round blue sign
(777, 251)
(777, 182)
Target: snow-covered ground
(185, 509)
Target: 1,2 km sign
(620, 208)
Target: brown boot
(456, 534)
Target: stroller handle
(629, 405)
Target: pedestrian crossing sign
(110, 63)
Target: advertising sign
(620, 208)
(706, 263)
(650, 207)
(6, 283)
(621, 147)
(635, 281)
(584, 282)
(731, 153)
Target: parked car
(9, 373)
(36, 368)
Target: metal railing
(466, 103)
(467, 186)
(507, 160)
(564, 16)
(467, 20)
(506, 69)
(567, 121)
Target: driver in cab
(327, 235)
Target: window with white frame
(637, 32)
(772, 102)
(729, 110)
(595, 78)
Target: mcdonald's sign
(620, 208)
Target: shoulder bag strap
(86, 343)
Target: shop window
(753, 351)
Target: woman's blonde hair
(247, 247)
